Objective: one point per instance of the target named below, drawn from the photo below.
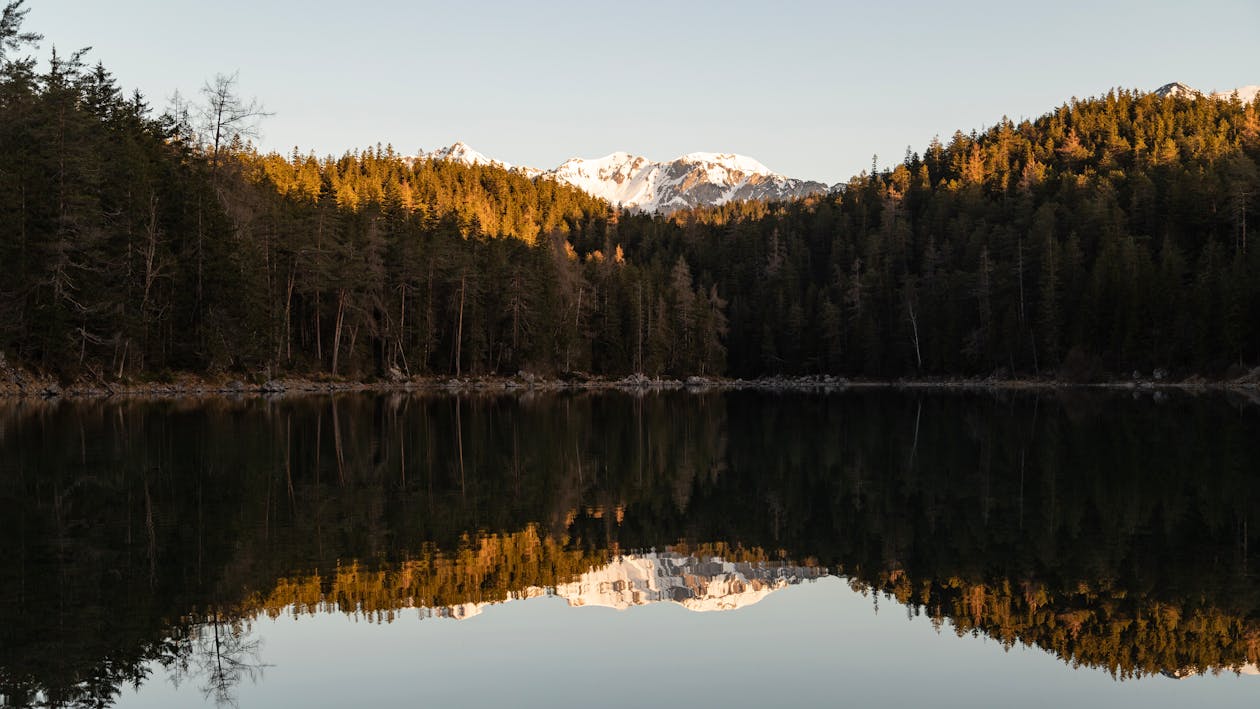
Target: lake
(612, 549)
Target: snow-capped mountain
(699, 584)
(463, 153)
(695, 583)
(1247, 669)
(637, 183)
(692, 180)
(1177, 89)
(1246, 94)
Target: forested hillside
(1106, 236)
(1111, 234)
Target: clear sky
(811, 89)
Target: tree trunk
(577, 315)
(288, 311)
(459, 327)
(341, 312)
(401, 340)
(914, 328)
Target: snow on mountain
(1177, 89)
(696, 583)
(620, 178)
(729, 161)
(1247, 669)
(695, 179)
(1246, 94)
(462, 153)
(640, 184)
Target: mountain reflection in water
(1109, 531)
(697, 584)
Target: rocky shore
(19, 383)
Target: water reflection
(697, 583)
(1110, 532)
(217, 654)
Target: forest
(1106, 236)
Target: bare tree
(219, 651)
(226, 116)
(222, 118)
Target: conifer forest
(1109, 235)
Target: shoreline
(16, 386)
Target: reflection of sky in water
(818, 643)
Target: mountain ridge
(639, 184)
(1246, 94)
(697, 583)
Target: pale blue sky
(811, 89)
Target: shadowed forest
(1108, 235)
(1111, 532)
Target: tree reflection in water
(1112, 532)
(219, 654)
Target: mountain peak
(637, 183)
(692, 180)
(1177, 89)
(730, 161)
(697, 583)
(611, 161)
(462, 152)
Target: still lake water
(611, 550)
